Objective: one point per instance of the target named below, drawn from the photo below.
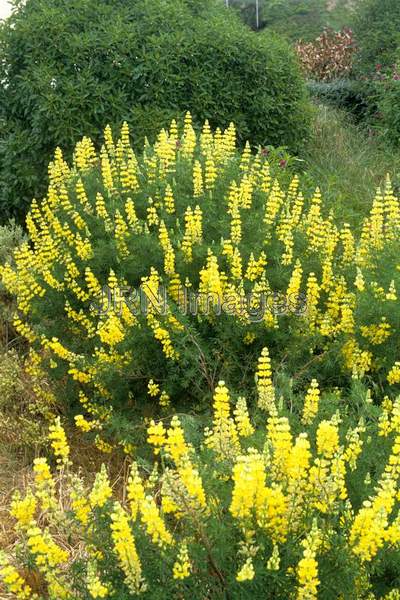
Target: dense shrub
(388, 100)
(68, 67)
(271, 268)
(328, 57)
(377, 32)
(357, 97)
(303, 503)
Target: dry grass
(16, 474)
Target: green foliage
(348, 160)
(377, 31)
(255, 496)
(389, 109)
(113, 356)
(295, 19)
(11, 236)
(69, 67)
(357, 97)
(23, 424)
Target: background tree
(68, 67)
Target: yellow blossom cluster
(196, 216)
(274, 488)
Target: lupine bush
(269, 267)
(296, 504)
(68, 68)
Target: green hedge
(377, 31)
(68, 67)
(389, 110)
(357, 97)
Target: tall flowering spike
(109, 141)
(187, 242)
(189, 137)
(311, 403)
(125, 136)
(95, 587)
(236, 226)
(169, 201)
(206, 140)
(101, 491)
(242, 419)
(229, 141)
(156, 435)
(265, 183)
(182, 567)
(59, 443)
(245, 192)
(135, 489)
(273, 204)
(44, 484)
(210, 173)
(293, 290)
(377, 221)
(125, 550)
(392, 211)
(154, 523)
(173, 131)
(312, 299)
(327, 438)
(233, 197)
(224, 436)
(166, 150)
(197, 179)
(197, 224)
(245, 159)
(348, 244)
(265, 388)
(246, 572)
(106, 172)
(307, 569)
(49, 557)
(394, 374)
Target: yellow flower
(265, 388)
(181, 568)
(311, 402)
(23, 509)
(125, 549)
(95, 587)
(246, 573)
(153, 388)
(13, 581)
(327, 438)
(156, 436)
(394, 374)
(242, 419)
(101, 490)
(59, 443)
